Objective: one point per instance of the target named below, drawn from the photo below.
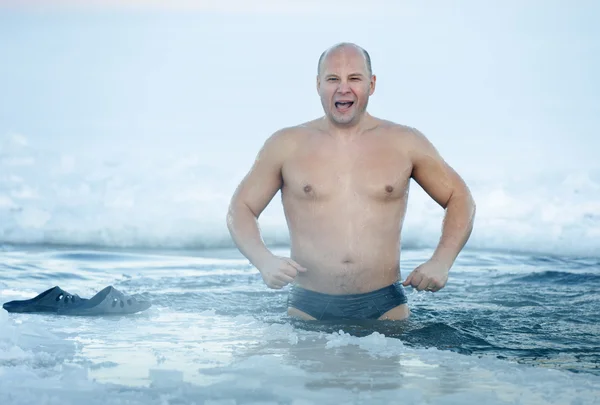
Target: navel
(389, 189)
(307, 188)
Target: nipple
(307, 189)
(389, 189)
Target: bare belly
(348, 264)
(345, 278)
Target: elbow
(462, 198)
(471, 203)
(236, 210)
(231, 214)
(229, 220)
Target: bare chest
(373, 170)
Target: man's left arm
(448, 189)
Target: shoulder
(402, 132)
(405, 137)
(411, 139)
(294, 135)
(283, 142)
(286, 137)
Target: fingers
(288, 270)
(414, 279)
(284, 278)
(291, 268)
(279, 281)
(276, 285)
(421, 282)
(284, 273)
(298, 267)
(408, 280)
(432, 286)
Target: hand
(278, 272)
(430, 276)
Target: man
(344, 181)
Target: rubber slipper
(109, 301)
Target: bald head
(342, 46)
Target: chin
(342, 120)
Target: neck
(347, 130)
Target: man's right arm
(252, 196)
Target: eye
(355, 79)
(332, 79)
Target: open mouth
(343, 105)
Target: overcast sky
(491, 83)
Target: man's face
(344, 85)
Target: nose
(344, 87)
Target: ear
(372, 85)
(318, 83)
